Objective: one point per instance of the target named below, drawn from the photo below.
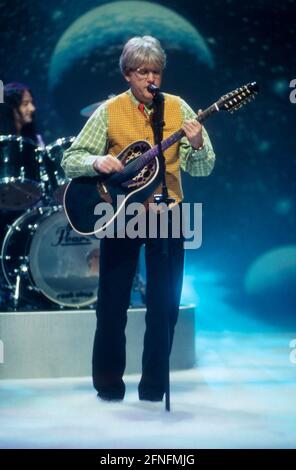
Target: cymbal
(90, 109)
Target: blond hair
(139, 50)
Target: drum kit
(44, 263)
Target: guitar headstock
(238, 97)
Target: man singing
(114, 125)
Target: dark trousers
(118, 263)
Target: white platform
(59, 343)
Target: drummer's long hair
(13, 95)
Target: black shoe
(149, 391)
(108, 397)
(155, 399)
(150, 396)
(114, 392)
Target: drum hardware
(16, 293)
(20, 184)
(56, 180)
(17, 290)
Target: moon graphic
(84, 65)
(275, 268)
(271, 283)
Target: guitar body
(83, 194)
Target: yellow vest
(126, 123)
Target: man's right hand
(107, 164)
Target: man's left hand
(193, 131)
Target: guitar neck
(171, 140)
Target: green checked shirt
(92, 142)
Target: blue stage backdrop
(244, 274)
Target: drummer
(17, 113)
(17, 117)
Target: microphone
(154, 90)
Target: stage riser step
(59, 343)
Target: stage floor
(240, 395)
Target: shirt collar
(148, 107)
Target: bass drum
(49, 260)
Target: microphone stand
(158, 124)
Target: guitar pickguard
(131, 153)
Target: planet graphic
(84, 65)
(270, 283)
